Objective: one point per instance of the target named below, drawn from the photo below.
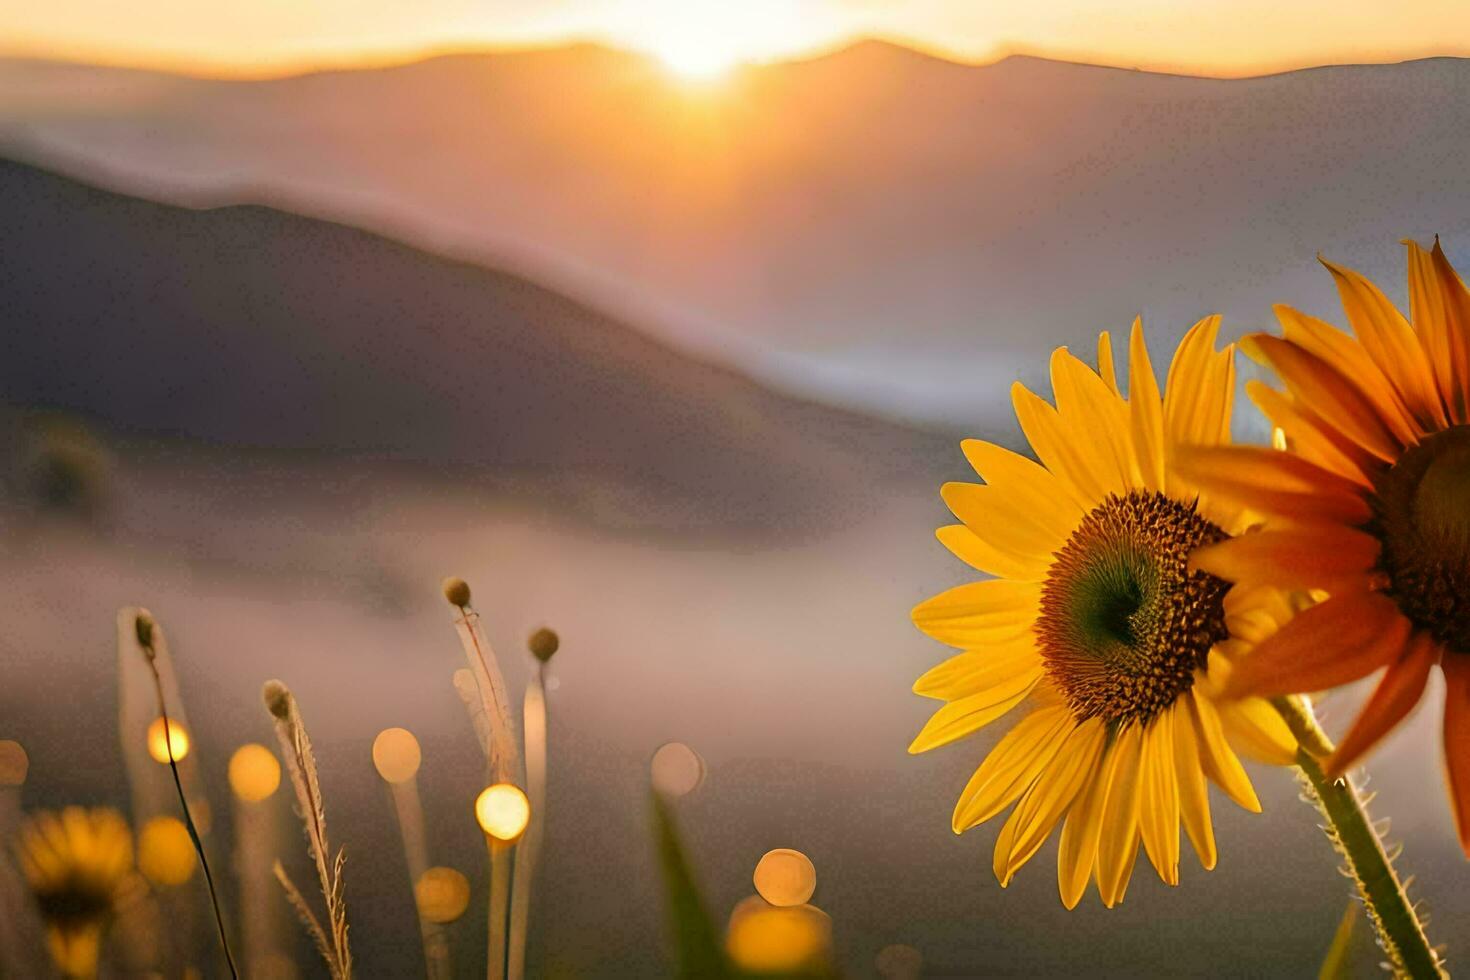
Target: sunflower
(1096, 625)
(76, 864)
(1371, 507)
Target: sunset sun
(705, 41)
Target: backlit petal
(1395, 696)
(1339, 640)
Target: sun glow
(702, 41)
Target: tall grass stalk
(301, 765)
(150, 636)
(528, 851)
(502, 757)
(409, 810)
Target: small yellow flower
(75, 864)
(1371, 506)
(1095, 624)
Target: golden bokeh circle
(165, 852)
(785, 877)
(676, 769)
(254, 772)
(442, 894)
(396, 755)
(765, 939)
(159, 743)
(503, 811)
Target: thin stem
(1400, 933)
(168, 739)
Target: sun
(696, 49)
(701, 40)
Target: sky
(1206, 37)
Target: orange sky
(1216, 37)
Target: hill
(248, 327)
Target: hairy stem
(1400, 933)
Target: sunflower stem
(1349, 827)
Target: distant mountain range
(875, 226)
(245, 326)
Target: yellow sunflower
(1371, 506)
(1095, 624)
(75, 864)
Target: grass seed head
(457, 591)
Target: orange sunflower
(1371, 507)
(1096, 626)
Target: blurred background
(659, 324)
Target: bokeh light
(676, 769)
(899, 962)
(785, 877)
(158, 742)
(503, 811)
(165, 852)
(254, 772)
(14, 763)
(765, 939)
(396, 754)
(442, 894)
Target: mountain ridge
(250, 327)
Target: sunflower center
(1124, 624)
(1422, 516)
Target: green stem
(1399, 931)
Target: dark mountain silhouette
(249, 327)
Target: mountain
(875, 226)
(246, 326)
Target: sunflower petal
(970, 714)
(1457, 741)
(1030, 484)
(1321, 557)
(1105, 367)
(1333, 396)
(1004, 522)
(1199, 389)
(977, 670)
(1315, 440)
(1395, 696)
(1048, 799)
(1341, 639)
(1258, 731)
(1216, 756)
(1348, 358)
(1194, 798)
(1392, 344)
(1457, 327)
(1099, 420)
(1146, 411)
(983, 556)
(1274, 482)
(1012, 766)
(1077, 847)
(1054, 446)
(1117, 846)
(972, 615)
(1158, 817)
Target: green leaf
(1336, 965)
(696, 941)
